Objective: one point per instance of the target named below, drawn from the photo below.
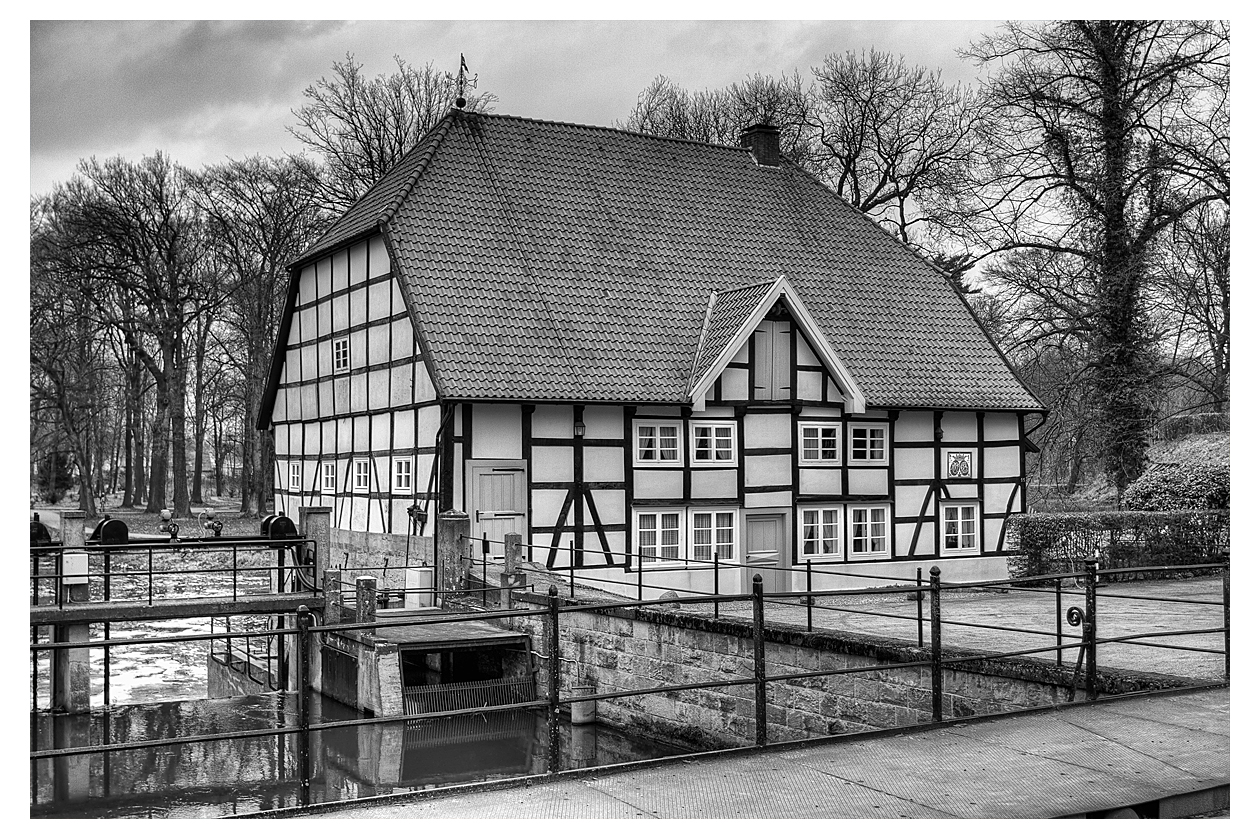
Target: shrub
(1054, 543)
(1167, 487)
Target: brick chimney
(763, 142)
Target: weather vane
(461, 82)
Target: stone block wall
(354, 551)
(634, 649)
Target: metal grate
(426, 699)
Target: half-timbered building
(642, 351)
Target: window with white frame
(820, 532)
(868, 444)
(820, 442)
(361, 476)
(713, 533)
(402, 474)
(341, 354)
(868, 532)
(712, 442)
(328, 476)
(658, 535)
(657, 443)
(959, 534)
(295, 476)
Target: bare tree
(361, 127)
(261, 215)
(1098, 135)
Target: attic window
(341, 355)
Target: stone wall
(352, 551)
(633, 649)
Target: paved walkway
(1064, 762)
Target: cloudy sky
(206, 91)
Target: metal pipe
(1225, 599)
(303, 700)
(938, 676)
(151, 579)
(759, 656)
(1089, 629)
(809, 594)
(918, 598)
(717, 571)
(1058, 619)
(553, 680)
(485, 561)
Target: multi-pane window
(402, 474)
(341, 354)
(659, 535)
(868, 444)
(362, 472)
(328, 474)
(713, 442)
(868, 531)
(295, 476)
(712, 533)
(820, 443)
(658, 443)
(820, 532)
(960, 528)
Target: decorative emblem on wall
(960, 464)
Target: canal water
(263, 772)
(159, 691)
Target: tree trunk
(159, 447)
(179, 440)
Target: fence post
(485, 565)
(1058, 620)
(304, 700)
(1225, 599)
(938, 679)
(809, 594)
(918, 597)
(553, 680)
(365, 599)
(759, 656)
(1089, 629)
(511, 561)
(71, 668)
(452, 532)
(315, 524)
(572, 560)
(717, 584)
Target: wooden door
(499, 505)
(765, 551)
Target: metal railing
(113, 570)
(932, 655)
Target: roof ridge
(613, 129)
(429, 143)
(704, 331)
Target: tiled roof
(727, 313)
(556, 261)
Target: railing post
(1225, 600)
(365, 599)
(759, 656)
(938, 676)
(918, 597)
(315, 524)
(71, 668)
(809, 594)
(332, 595)
(1058, 620)
(303, 701)
(1089, 630)
(572, 559)
(485, 564)
(452, 532)
(717, 582)
(511, 561)
(553, 680)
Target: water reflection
(261, 772)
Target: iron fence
(558, 695)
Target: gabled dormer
(764, 317)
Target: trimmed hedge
(1169, 487)
(1055, 543)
